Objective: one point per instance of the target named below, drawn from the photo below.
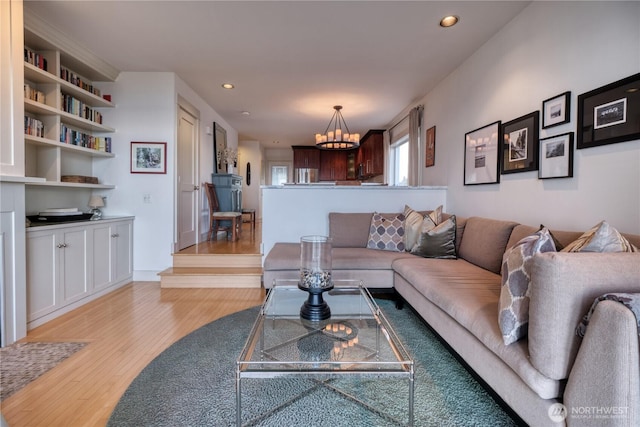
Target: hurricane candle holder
(315, 276)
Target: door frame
(184, 105)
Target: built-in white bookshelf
(64, 132)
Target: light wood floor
(125, 330)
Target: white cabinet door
(102, 256)
(57, 269)
(123, 250)
(74, 264)
(112, 253)
(43, 259)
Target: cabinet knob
(115, 235)
(61, 245)
(196, 187)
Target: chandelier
(337, 135)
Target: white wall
(551, 47)
(145, 111)
(251, 152)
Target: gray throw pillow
(386, 233)
(513, 307)
(439, 241)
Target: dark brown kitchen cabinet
(306, 157)
(371, 154)
(333, 165)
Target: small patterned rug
(22, 363)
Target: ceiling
(290, 61)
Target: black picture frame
(556, 110)
(610, 114)
(482, 155)
(520, 144)
(219, 145)
(556, 156)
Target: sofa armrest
(563, 287)
(604, 387)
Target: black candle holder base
(315, 308)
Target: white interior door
(187, 186)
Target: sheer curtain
(415, 119)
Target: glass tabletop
(357, 338)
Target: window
(279, 174)
(399, 161)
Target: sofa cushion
(513, 314)
(484, 242)
(439, 241)
(349, 230)
(469, 294)
(601, 238)
(386, 233)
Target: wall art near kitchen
(520, 144)
(556, 110)
(148, 157)
(609, 114)
(481, 155)
(430, 151)
(556, 156)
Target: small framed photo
(556, 110)
(520, 144)
(556, 156)
(149, 157)
(482, 156)
(609, 114)
(430, 150)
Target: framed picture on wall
(482, 156)
(609, 114)
(556, 110)
(149, 157)
(219, 145)
(520, 144)
(556, 156)
(430, 150)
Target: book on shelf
(35, 58)
(77, 80)
(78, 108)
(33, 126)
(75, 137)
(34, 94)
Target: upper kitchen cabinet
(371, 154)
(306, 157)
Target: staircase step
(217, 260)
(211, 277)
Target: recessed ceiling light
(245, 113)
(449, 21)
(228, 85)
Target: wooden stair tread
(187, 271)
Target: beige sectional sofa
(595, 377)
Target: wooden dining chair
(235, 218)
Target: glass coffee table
(356, 344)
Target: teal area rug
(192, 383)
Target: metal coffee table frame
(281, 344)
